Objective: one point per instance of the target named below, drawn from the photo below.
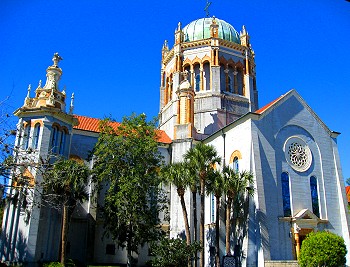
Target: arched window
(36, 136)
(235, 164)
(54, 139)
(63, 142)
(206, 76)
(26, 137)
(314, 196)
(286, 194)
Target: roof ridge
(92, 125)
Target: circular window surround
(298, 154)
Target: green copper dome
(200, 29)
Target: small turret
(179, 35)
(244, 36)
(214, 29)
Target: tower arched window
(36, 136)
(229, 84)
(286, 194)
(26, 137)
(206, 76)
(63, 141)
(198, 81)
(54, 139)
(314, 196)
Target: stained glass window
(286, 194)
(314, 196)
(235, 164)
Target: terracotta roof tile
(347, 189)
(92, 125)
(264, 108)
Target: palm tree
(215, 185)
(236, 184)
(65, 185)
(177, 174)
(193, 185)
(201, 158)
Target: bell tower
(214, 67)
(43, 133)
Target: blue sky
(112, 52)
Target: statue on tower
(56, 58)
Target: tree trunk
(217, 231)
(184, 211)
(129, 258)
(228, 225)
(64, 234)
(195, 234)
(201, 226)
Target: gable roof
(265, 110)
(92, 125)
(269, 107)
(266, 107)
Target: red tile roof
(92, 125)
(264, 108)
(347, 189)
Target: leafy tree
(236, 185)
(173, 252)
(201, 158)
(215, 185)
(65, 185)
(322, 249)
(127, 158)
(178, 175)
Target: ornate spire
(49, 95)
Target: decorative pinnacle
(56, 58)
(165, 45)
(71, 108)
(29, 88)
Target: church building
(208, 93)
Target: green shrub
(322, 249)
(173, 252)
(53, 264)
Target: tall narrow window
(229, 84)
(63, 142)
(236, 164)
(286, 194)
(314, 196)
(36, 136)
(198, 80)
(54, 139)
(212, 204)
(26, 137)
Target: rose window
(298, 154)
